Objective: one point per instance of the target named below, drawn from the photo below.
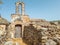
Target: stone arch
(18, 4)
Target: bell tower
(19, 11)
(22, 8)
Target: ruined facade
(21, 27)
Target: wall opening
(18, 31)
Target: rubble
(48, 34)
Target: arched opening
(18, 31)
(20, 8)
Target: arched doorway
(18, 31)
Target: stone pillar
(22, 30)
(22, 8)
(17, 8)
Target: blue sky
(40, 9)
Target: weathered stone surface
(33, 31)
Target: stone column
(22, 30)
(23, 10)
(17, 7)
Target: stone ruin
(38, 32)
(31, 31)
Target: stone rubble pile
(50, 35)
